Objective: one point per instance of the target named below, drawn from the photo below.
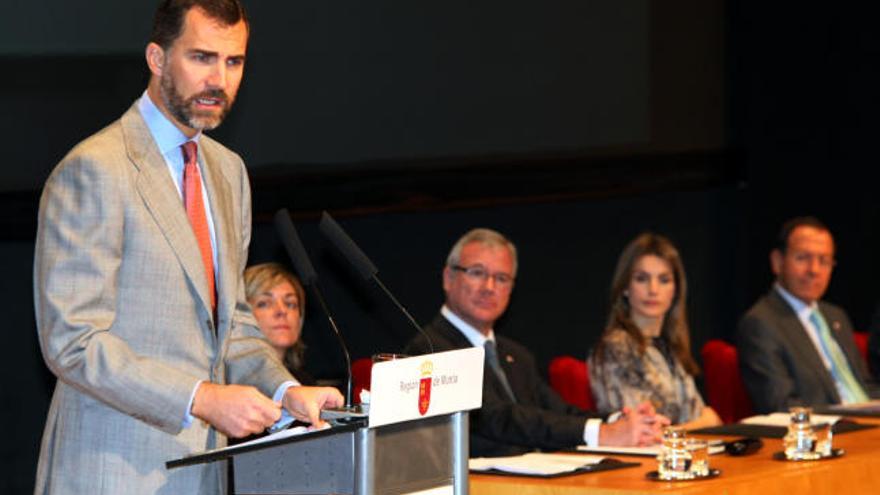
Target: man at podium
(520, 411)
(143, 235)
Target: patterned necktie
(492, 361)
(195, 211)
(851, 390)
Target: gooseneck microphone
(363, 265)
(303, 266)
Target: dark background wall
(569, 127)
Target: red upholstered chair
(570, 378)
(361, 371)
(724, 387)
(862, 344)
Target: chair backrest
(862, 344)
(570, 378)
(724, 387)
(361, 373)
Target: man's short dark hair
(168, 23)
(789, 227)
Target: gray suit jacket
(779, 363)
(124, 319)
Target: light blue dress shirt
(803, 312)
(169, 139)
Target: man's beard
(184, 109)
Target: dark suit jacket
(779, 363)
(538, 419)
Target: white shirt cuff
(282, 389)
(286, 418)
(591, 432)
(591, 429)
(189, 418)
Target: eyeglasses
(478, 273)
(803, 258)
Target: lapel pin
(508, 358)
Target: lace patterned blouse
(628, 379)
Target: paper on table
(783, 419)
(715, 447)
(872, 406)
(534, 463)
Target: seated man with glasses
(520, 411)
(795, 349)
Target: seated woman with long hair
(645, 351)
(278, 301)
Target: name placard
(425, 386)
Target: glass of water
(674, 461)
(824, 435)
(800, 440)
(699, 452)
(387, 356)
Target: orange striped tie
(195, 210)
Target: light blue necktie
(492, 361)
(840, 369)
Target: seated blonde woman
(278, 300)
(644, 353)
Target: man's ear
(155, 58)
(776, 257)
(447, 278)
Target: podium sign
(426, 386)
(415, 440)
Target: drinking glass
(386, 356)
(674, 460)
(800, 440)
(699, 451)
(824, 436)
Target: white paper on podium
(289, 432)
(425, 386)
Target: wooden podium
(414, 440)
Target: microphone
(303, 266)
(362, 264)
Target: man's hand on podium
(235, 410)
(305, 403)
